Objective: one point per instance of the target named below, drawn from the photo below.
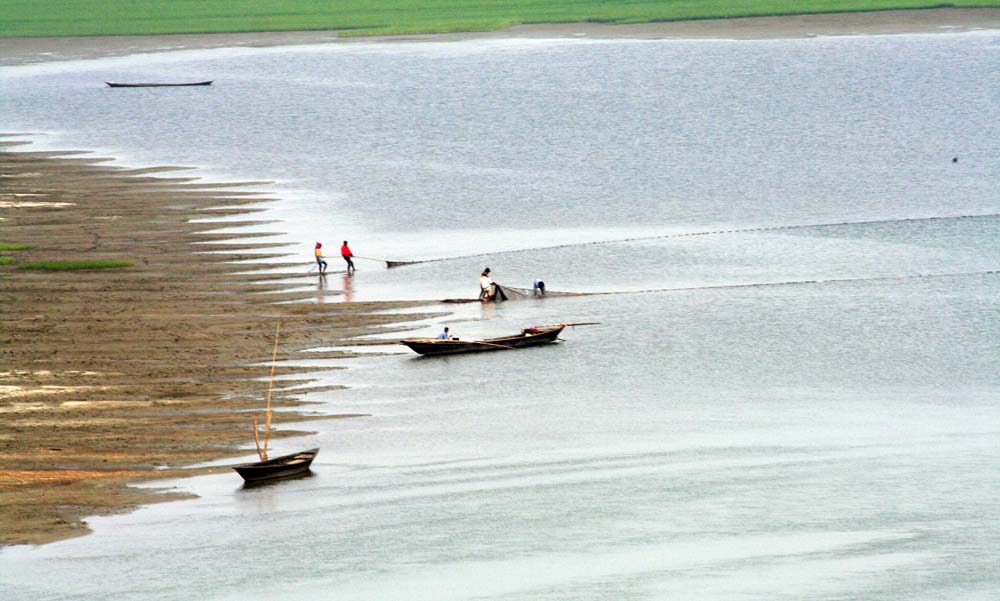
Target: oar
(565, 325)
(474, 342)
(510, 348)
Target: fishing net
(524, 293)
(513, 294)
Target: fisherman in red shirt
(345, 252)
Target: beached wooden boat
(528, 337)
(279, 467)
(113, 84)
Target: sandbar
(122, 375)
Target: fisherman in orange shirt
(320, 261)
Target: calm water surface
(805, 405)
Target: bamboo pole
(487, 344)
(256, 439)
(270, 384)
(262, 451)
(439, 341)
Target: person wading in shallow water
(345, 252)
(538, 288)
(485, 285)
(320, 261)
(488, 290)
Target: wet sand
(17, 51)
(110, 376)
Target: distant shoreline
(21, 51)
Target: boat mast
(262, 452)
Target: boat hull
(433, 346)
(112, 84)
(279, 467)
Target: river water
(801, 402)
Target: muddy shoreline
(127, 375)
(20, 51)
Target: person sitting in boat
(444, 335)
(320, 261)
(529, 331)
(538, 288)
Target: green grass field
(74, 265)
(21, 18)
(13, 246)
(6, 260)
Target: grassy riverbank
(26, 18)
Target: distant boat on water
(113, 84)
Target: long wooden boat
(279, 467)
(528, 337)
(113, 84)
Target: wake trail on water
(772, 228)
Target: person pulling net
(490, 291)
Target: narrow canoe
(156, 85)
(437, 346)
(279, 467)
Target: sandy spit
(124, 375)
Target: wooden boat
(529, 337)
(156, 85)
(279, 467)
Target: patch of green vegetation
(22, 18)
(74, 265)
(13, 246)
(6, 260)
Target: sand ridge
(109, 376)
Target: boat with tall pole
(278, 467)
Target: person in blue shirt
(538, 288)
(444, 335)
